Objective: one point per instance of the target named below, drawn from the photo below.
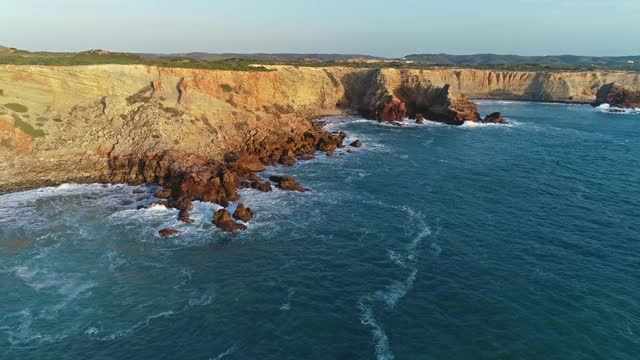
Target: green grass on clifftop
(21, 57)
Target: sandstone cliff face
(62, 124)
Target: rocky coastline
(202, 134)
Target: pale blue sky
(378, 27)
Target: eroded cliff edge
(61, 124)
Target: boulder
(243, 213)
(165, 233)
(184, 216)
(494, 118)
(419, 119)
(222, 220)
(356, 144)
(287, 183)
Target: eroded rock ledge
(186, 177)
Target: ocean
(517, 241)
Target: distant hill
(283, 57)
(553, 61)
(5, 50)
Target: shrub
(27, 128)
(19, 108)
(58, 120)
(240, 125)
(226, 87)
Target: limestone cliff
(62, 124)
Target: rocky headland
(202, 134)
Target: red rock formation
(243, 213)
(617, 96)
(392, 110)
(222, 220)
(494, 118)
(287, 183)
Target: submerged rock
(494, 118)
(243, 213)
(165, 233)
(222, 220)
(287, 183)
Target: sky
(389, 28)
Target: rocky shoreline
(187, 178)
(202, 134)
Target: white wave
(23, 334)
(474, 124)
(397, 290)
(287, 306)
(203, 300)
(382, 347)
(608, 109)
(137, 327)
(228, 352)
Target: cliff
(62, 124)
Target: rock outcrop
(494, 118)
(618, 96)
(222, 220)
(243, 213)
(287, 183)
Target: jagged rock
(251, 163)
(163, 193)
(494, 118)
(222, 220)
(356, 144)
(394, 110)
(258, 185)
(617, 96)
(342, 135)
(185, 216)
(165, 233)
(243, 213)
(419, 119)
(287, 183)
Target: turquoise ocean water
(431, 242)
